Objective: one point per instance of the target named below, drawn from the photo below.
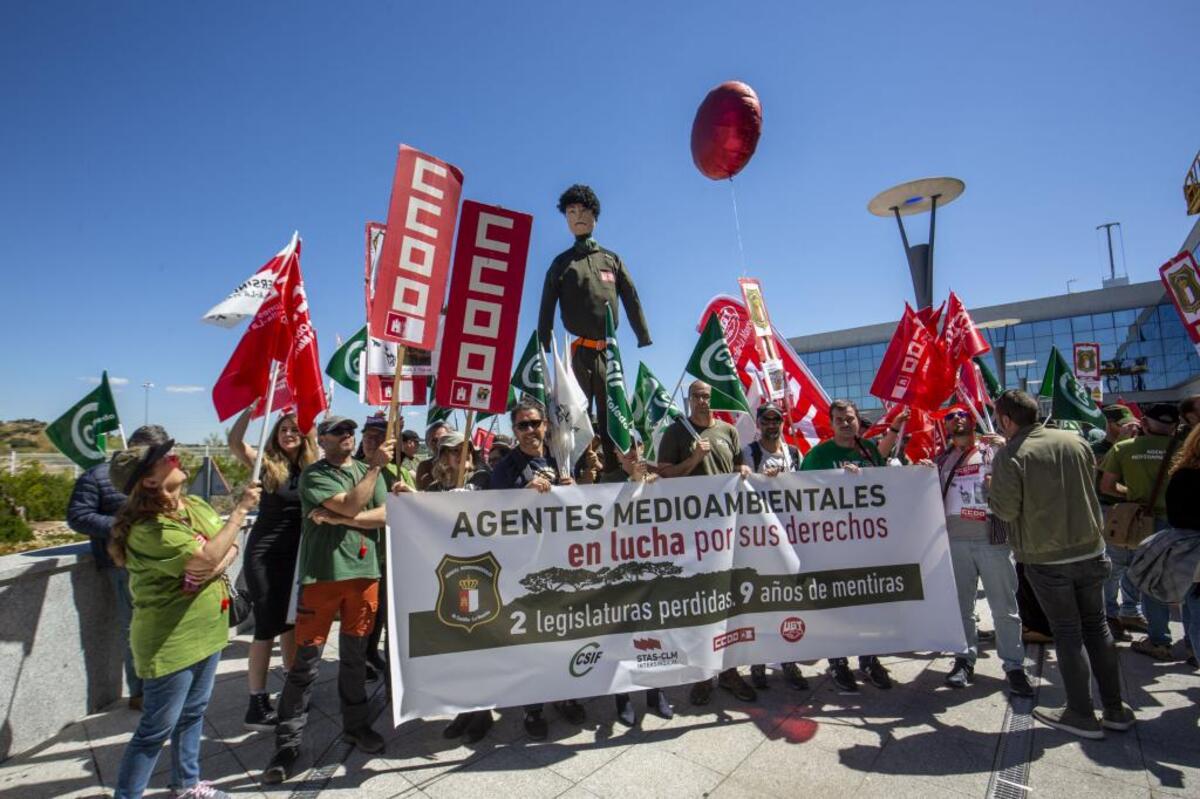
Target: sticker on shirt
(608, 277)
(966, 497)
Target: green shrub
(42, 494)
(13, 528)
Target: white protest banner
(502, 598)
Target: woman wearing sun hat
(175, 548)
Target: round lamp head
(916, 196)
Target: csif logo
(585, 659)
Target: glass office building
(1144, 350)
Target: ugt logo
(468, 591)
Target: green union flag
(652, 408)
(530, 375)
(989, 378)
(343, 366)
(620, 418)
(712, 363)
(78, 433)
(1070, 399)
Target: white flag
(570, 427)
(245, 300)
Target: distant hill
(24, 435)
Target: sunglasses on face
(527, 425)
(956, 415)
(172, 460)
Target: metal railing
(57, 462)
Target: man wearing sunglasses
(965, 473)
(528, 466)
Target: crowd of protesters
(1027, 508)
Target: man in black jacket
(93, 506)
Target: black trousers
(591, 369)
(297, 691)
(1031, 613)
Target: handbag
(1128, 524)
(239, 599)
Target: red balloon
(726, 129)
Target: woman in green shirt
(175, 549)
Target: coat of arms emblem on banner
(468, 591)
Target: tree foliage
(557, 578)
(43, 495)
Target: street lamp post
(915, 197)
(147, 386)
(999, 351)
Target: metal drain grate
(319, 776)
(1010, 772)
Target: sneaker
(625, 712)
(283, 765)
(1060, 718)
(1018, 683)
(1137, 622)
(961, 675)
(572, 711)
(456, 728)
(658, 704)
(843, 679)
(1118, 630)
(260, 715)
(701, 692)
(732, 682)
(364, 738)
(201, 790)
(877, 674)
(795, 679)
(758, 677)
(535, 725)
(1030, 636)
(1121, 718)
(1156, 651)
(481, 722)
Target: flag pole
(684, 416)
(256, 472)
(394, 404)
(462, 453)
(985, 423)
(898, 444)
(124, 441)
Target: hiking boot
(795, 679)
(535, 725)
(732, 682)
(1156, 651)
(1118, 630)
(1031, 636)
(456, 728)
(201, 790)
(961, 675)
(1060, 718)
(259, 714)
(843, 678)
(1018, 683)
(701, 693)
(625, 713)
(572, 711)
(481, 722)
(1137, 622)
(364, 738)
(758, 677)
(877, 674)
(658, 704)
(1120, 718)
(283, 766)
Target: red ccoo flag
(915, 370)
(281, 331)
(960, 337)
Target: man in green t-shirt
(847, 450)
(702, 444)
(342, 502)
(1130, 470)
(1119, 424)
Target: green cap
(130, 465)
(332, 424)
(1118, 414)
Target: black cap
(501, 441)
(1162, 412)
(376, 421)
(768, 407)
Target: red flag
(960, 338)
(971, 387)
(482, 438)
(920, 431)
(914, 370)
(808, 421)
(930, 317)
(281, 331)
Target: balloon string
(737, 225)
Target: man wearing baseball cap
(339, 573)
(1135, 471)
(1120, 424)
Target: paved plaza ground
(921, 739)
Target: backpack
(756, 455)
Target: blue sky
(153, 155)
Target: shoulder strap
(865, 452)
(756, 454)
(795, 455)
(953, 469)
(1162, 471)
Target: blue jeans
(120, 582)
(1128, 605)
(1158, 614)
(174, 707)
(979, 560)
